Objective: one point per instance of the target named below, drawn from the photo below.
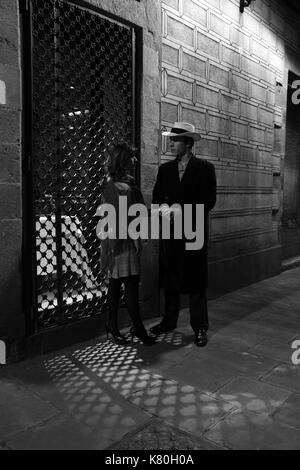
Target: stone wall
(11, 312)
(148, 18)
(226, 72)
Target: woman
(121, 258)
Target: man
(185, 180)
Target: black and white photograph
(150, 227)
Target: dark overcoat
(182, 270)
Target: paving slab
(84, 396)
(61, 433)
(274, 350)
(249, 431)
(20, 409)
(237, 339)
(201, 373)
(286, 376)
(182, 406)
(242, 363)
(158, 436)
(252, 395)
(289, 412)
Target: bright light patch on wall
(2, 92)
(2, 353)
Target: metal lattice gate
(83, 101)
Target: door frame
(61, 336)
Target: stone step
(291, 263)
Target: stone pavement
(240, 392)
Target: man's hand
(170, 213)
(165, 211)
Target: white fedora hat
(183, 129)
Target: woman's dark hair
(121, 160)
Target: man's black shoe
(161, 328)
(201, 339)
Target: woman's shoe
(144, 337)
(116, 335)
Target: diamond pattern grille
(83, 102)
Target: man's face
(178, 146)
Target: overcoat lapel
(188, 171)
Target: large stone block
(240, 84)
(256, 134)
(230, 105)
(250, 67)
(10, 164)
(230, 10)
(251, 23)
(261, 51)
(194, 65)
(180, 32)
(149, 280)
(207, 147)
(10, 277)
(266, 117)
(142, 14)
(239, 39)
(207, 96)
(10, 201)
(150, 148)
(249, 111)
(239, 130)
(264, 157)
(258, 92)
(172, 3)
(195, 12)
(277, 61)
(180, 88)
(268, 75)
(9, 53)
(170, 55)
(207, 45)
(268, 35)
(169, 112)
(149, 173)
(10, 76)
(214, 3)
(238, 177)
(218, 125)
(252, 267)
(217, 25)
(9, 12)
(263, 10)
(195, 117)
(279, 141)
(230, 56)
(271, 98)
(151, 64)
(219, 75)
(241, 221)
(248, 154)
(240, 243)
(9, 126)
(270, 137)
(230, 150)
(151, 112)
